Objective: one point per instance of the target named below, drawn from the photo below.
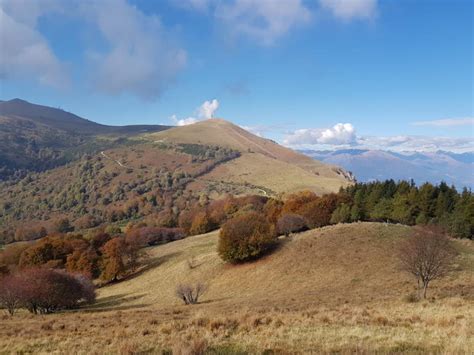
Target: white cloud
(341, 133)
(448, 122)
(140, 59)
(263, 20)
(344, 135)
(25, 53)
(204, 112)
(183, 121)
(208, 108)
(198, 5)
(351, 9)
(416, 143)
(139, 56)
(257, 130)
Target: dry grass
(263, 162)
(258, 169)
(335, 289)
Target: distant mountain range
(368, 165)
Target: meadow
(336, 289)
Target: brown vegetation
(332, 290)
(44, 291)
(190, 294)
(427, 255)
(245, 237)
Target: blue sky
(319, 73)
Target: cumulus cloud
(139, 56)
(351, 9)
(448, 122)
(344, 135)
(266, 21)
(25, 53)
(140, 59)
(341, 133)
(263, 20)
(208, 108)
(183, 121)
(204, 112)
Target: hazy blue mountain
(369, 165)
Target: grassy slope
(335, 289)
(263, 162)
(352, 262)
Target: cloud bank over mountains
(343, 135)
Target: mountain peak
(17, 101)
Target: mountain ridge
(368, 165)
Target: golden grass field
(336, 289)
(263, 162)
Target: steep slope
(263, 163)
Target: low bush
(190, 294)
(245, 237)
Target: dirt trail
(117, 161)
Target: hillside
(334, 289)
(62, 170)
(263, 163)
(331, 265)
(38, 138)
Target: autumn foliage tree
(427, 255)
(113, 262)
(245, 237)
(42, 290)
(290, 223)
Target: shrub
(190, 294)
(245, 237)
(45, 290)
(63, 225)
(290, 223)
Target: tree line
(250, 227)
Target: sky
(322, 74)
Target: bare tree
(427, 255)
(189, 294)
(10, 293)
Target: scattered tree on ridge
(427, 255)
